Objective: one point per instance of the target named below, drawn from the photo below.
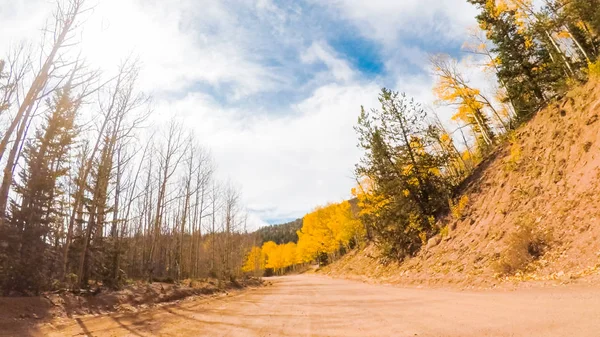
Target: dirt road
(319, 306)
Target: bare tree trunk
(65, 21)
(114, 230)
(170, 159)
(7, 178)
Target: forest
(410, 175)
(282, 233)
(94, 190)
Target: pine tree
(406, 176)
(93, 257)
(36, 213)
(588, 13)
(525, 68)
(582, 19)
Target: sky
(271, 88)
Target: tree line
(326, 233)
(279, 234)
(91, 194)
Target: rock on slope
(535, 204)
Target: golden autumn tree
(289, 254)
(316, 236)
(478, 45)
(452, 89)
(369, 203)
(328, 229)
(269, 249)
(255, 261)
(347, 228)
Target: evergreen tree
(36, 212)
(93, 256)
(582, 19)
(588, 13)
(407, 183)
(525, 68)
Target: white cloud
(289, 164)
(179, 46)
(18, 21)
(386, 20)
(320, 51)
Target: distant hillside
(279, 234)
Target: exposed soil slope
(546, 179)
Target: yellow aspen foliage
(466, 156)
(564, 34)
(255, 261)
(327, 229)
(270, 250)
(369, 203)
(316, 236)
(594, 69)
(273, 256)
(522, 10)
(289, 254)
(452, 88)
(324, 230)
(457, 208)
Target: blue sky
(272, 88)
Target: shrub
(457, 208)
(323, 259)
(444, 231)
(524, 246)
(594, 69)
